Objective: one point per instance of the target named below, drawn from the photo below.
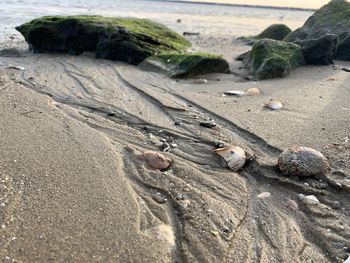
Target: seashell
(292, 205)
(233, 155)
(253, 92)
(309, 199)
(200, 81)
(274, 105)
(264, 195)
(16, 67)
(157, 160)
(234, 92)
(303, 161)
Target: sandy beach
(73, 187)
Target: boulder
(125, 39)
(319, 51)
(273, 59)
(333, 18)
(182, 65)
(275, 31)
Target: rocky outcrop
(319, 51)
(124, 39)
(273, 59)
(182, 65)
(333, 18)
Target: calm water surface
(206, 19)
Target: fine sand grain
(74, 189)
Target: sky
(287, 3)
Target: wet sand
(73, 188)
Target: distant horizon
(309, 4)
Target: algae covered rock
(275, 31)
(274, 59)
(181, 65)
(333, 18)
(125, 39)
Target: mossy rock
(333, 18)
(275, 31)
(274, 59)
(183, 65)
(125, 39)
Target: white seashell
(309, 199)
(16, 67)
(233, 155)
(264, 195)
(156, 160)
(303, 161)
(200, 81)
(274, 105)
(253, 92)
(234, 92)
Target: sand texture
(73, 187)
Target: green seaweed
(126, 39)
(272, 58)
(180, 65)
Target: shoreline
(238, 5)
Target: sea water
(202, 18)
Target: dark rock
(273, 59)
(275, 31)
(333, 18)
(125, 39)
(181, 65)
(319, 51)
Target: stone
(333, 18)
(319, 51)
(274, 59)
(275, 31)
(124, 39)
(185, 65)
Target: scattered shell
(200, 81)
(274, 105)
(330, 79)
(234, 93)
(303, 161)
(233, 155)
(157, 160)
(253, 92)
(264, 195)
(292, 205)
(16, 67)
(309, 199)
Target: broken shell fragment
(234, 92)
(200, 81)
(303, 161)
(253, 92)
(157, 160)
(309, 199)
(233, 155)
(264, 195)
(274, 105)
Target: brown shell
(157, 160)
(303, 161)
(253, 92)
